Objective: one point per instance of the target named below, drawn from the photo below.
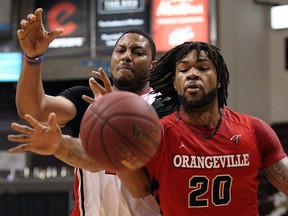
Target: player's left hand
(97, 89)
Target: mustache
(125, 66)
(193, 85)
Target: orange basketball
(120, 131)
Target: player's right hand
(33, 37)
(40, 139)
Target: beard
(131, 85)
(190, 106)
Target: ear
(219, 85)
(153, 64)
(175, 86)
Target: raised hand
(39, 139)
(33, 37)
(97, 89)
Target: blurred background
(253, 37)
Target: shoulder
(163, 107)
(74, 94)
(169, 122)
(260, 127)
(238, 119)
(269, 144)
(235, 116)
(75, 91)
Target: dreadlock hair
(144, 34)
(161, 76)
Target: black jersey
(74, 94)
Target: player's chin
(122, 73)
(124, 82)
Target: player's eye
(183, 70)
(139, 52)
(203, 69)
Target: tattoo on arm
(280, 171)
(73, 154)
(77, 155)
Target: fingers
(31, 18)
(100, 75)
(24, 30)
(87, 99)
(38, 14)
(96, 87)
(24, 23)
(18, 138)
(23, 138)
(20, 148)
(103, 76)
(32, 121)
(22, 128)
(97, 90)
(20, 33)
(55, 33)
(27, 25)
(52, 122)
(105, 80)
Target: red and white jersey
(103, 194)
(196, 175)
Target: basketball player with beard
(96, 193)
(210, 157)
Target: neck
(140, 92)
(145, 90)
(203, 118)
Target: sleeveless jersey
(102, 193)
(194, 175)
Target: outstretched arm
(49, 140)
(277, 174)
(30, 95)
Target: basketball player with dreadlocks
(209, 158)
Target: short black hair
(144, 34)
(161, 76)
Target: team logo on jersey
(182, 145)
(235, 139)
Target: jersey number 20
(220, 189)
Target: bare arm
(30, 95)
(48, 140)
(137, 182)
(277, 174)
(31, 98)
(72, 153)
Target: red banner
(177, 21)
